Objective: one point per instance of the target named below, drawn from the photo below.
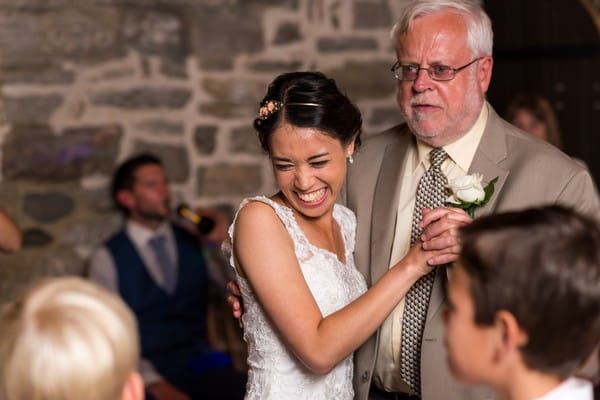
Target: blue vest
(168, 323)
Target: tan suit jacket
(531, 173)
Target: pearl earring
(350, 160)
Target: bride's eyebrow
(311, 158)
(317, 156)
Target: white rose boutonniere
(467, 192)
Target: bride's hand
(416, 261)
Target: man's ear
(510, 335)
(133, 388)
(125, 199)
(484, 73)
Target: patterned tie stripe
(431, 193)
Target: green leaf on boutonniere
(489, 190)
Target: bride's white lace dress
(274, 371)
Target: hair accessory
(269, 107)
(272, 106)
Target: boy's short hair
(66, 338)
(543, 266)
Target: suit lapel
(490, 153)
(385, 205)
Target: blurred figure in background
(534, 114)
(68, 339)
(159, 269)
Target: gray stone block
(333, 44)
(143, 98)
(36, 237)
(365, 80)
(154, 32)
(42, 75)
(34, 37)
(245, 140)
(232, 97)
(175, 159)
(47, 206)
(36, 153)
(31, 109)
(224, 179)
(205, 138)
(275, 66)
(372, 14)
(287, 32)
(161, 126)
(215, 47)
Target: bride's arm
(265, 252)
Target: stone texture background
(85, 84)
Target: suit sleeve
(581, 194)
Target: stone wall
(87, 83)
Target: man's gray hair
(480, 37)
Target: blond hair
(66, 338)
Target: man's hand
(441, 232)
(163, 390)
(235, 300)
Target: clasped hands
(440, 233)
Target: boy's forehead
(459, 280)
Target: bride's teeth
(311, 197)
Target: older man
(444, 51)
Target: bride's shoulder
(257, 213)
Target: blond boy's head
(67, 338)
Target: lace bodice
(274, 372)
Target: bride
(306, 306)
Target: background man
(159, 270)
(444, 51)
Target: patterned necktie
(431, 193)
(159, 246)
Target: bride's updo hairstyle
(307, 100)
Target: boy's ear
(125, 199)
(133, 388)
(510, 335)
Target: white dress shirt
(570, 389)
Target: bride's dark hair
(309, 100)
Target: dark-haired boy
(524, 301)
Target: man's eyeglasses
(410, 72)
